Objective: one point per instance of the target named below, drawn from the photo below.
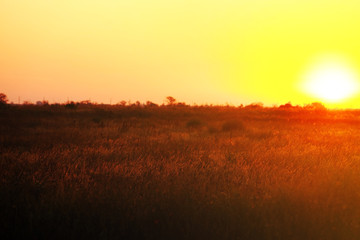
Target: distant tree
(170, 100)
(122, 103)
(70, 105)
(181, 104)
(316, 106)
(85, 102)
(3, 99)
(287, 105)
(255, 105)
(42, 103)
(151, 104)
(27, 103)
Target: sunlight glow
(198, 51)
(331, 81)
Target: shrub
(70, 105)
(194, 123)
(232, 125)
(3, 99)
(212, 129)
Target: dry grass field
(178, 172)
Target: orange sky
(198, 51)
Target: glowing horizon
(204, 52)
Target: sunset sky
(198, 51)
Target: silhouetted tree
(181, 104)
(85, 102)
(3, 99)
(151, 104)
(71, 105)
(170, 100)
(287, 105)
(27, 103)
(317, 106)
(256, 105)
(122, 103)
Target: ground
(179, 172)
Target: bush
(71, 105)
(194, 123)
(232, 125)
(3, 99)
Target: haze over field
(197, 51)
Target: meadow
(179, 172)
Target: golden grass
(179, 173)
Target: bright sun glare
(331, 80)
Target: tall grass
(179, 173)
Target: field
(179, 172)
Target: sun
(331, 80)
